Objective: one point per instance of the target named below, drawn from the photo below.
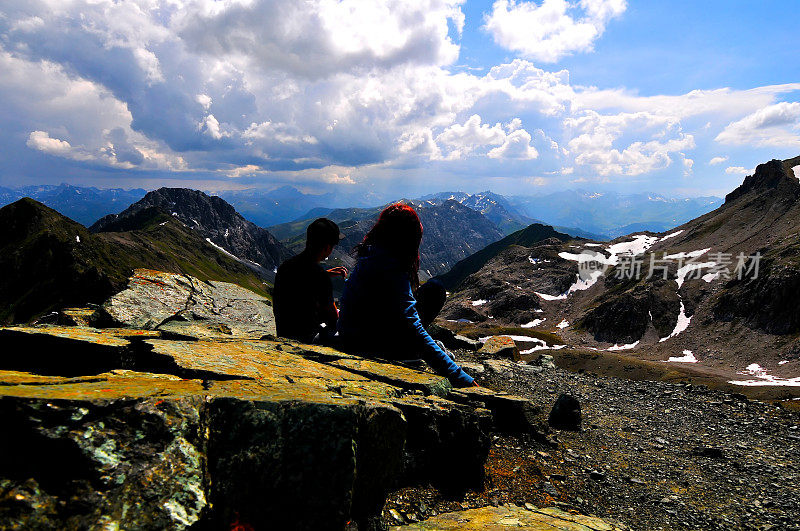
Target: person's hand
(339, 271)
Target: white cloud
(52, 146)
(204, 100)
(597, 137)
(463, 139)
(769, 126)
(738, 170)
(547, 31)
(717, 160)
(317, 39)
(517, 145)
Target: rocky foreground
(650, 455)
(180, 412)
(172, 406)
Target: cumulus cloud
(718, 160)
(317, 39)
(517, 145)
(738, 170)
(597, 138)
(773, 125)
(52, 146)
(548, 31)
(462, 139)
(335, 92)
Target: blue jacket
(378, 315)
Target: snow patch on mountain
(680, 326)
(688, 357)
(764, 378)
(671, 235)
(623, 347)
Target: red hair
(399, 231)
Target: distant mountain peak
(773, 176)
(212, 217)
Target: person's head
(321, 237)
(399, 232)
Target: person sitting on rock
(383, 308)
(303, 295)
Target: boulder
(452, 340)
(566, 413)
(500, 347)
(185, 306)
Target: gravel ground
(650, 455)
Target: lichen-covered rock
(83, 464)
(120, 428)
(186, 306)
(500, 347)
(512, 517)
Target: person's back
(380, 315)
(372, 314)
(303, 295)
(302, 291)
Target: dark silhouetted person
(303, 295)
(384, 309)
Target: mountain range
(695, 309)
(452, 232)
(593, 215)
(534, 277)
(612, 214)
(82, 204)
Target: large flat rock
(165, 433)
(511, 517)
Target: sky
(389, 98)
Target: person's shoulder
(294, 262)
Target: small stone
(500, 347)
(597, 475)
(530, 506)
(566, 413)
(397, 516)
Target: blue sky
(387, 99)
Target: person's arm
(328, 310)
(338, 271)
(430, 351)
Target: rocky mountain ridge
(693, 310)
(215, 220)
(48, 261)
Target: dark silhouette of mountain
(83, 204)
(214, 219)
(48, 261)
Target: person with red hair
(384, 308)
